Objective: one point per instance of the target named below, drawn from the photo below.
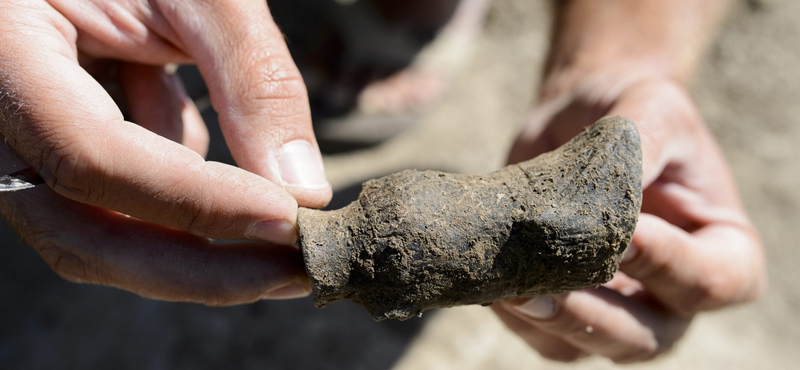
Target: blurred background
(748, 90)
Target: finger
(715, 266)
(549, 346)
(556, 121)
(158, 102)
(91, 245)
(122, 30)
(258, 91)
(664, 129)
(624, 284)
(604, 322)
(549, 126)
(195, 132)
(70, 130)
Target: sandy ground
(748, 91)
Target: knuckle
(711, 293)
(650, 266)
(74, 259)
(708, 292)
(273, 79)
(198, 212)
(67, 265)
(199, 217)
(730, 281)
(72, 173)
(209, 210)
(68, 177)
(59, 170)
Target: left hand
(693, 249)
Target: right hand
(125, 206)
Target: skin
(694, 248)
(130, 201)
(132, 204)
(102, 218)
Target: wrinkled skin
(57, 58)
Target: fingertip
(296, 289)
(274, 231)
(195, 134)
(549, 346)
(651, 245)
(318, 198)
(649, 229)
(302, 174)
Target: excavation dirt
(418, 240)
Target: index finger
(257, 90)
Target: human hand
(127, 207)
(693, 249)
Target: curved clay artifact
(417, 240)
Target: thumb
(257, 90)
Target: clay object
(418, 240)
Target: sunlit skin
(57, 117)
(694, 248)
(132, 204)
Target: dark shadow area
(339, 49)
(49, 323)
(196, 89)
(343, 197)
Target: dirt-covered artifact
(417, 240)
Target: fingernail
(630, 253)
(301, 165)
(294, 290)
(540, 308)
(276, 231)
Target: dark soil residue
(418, 240)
